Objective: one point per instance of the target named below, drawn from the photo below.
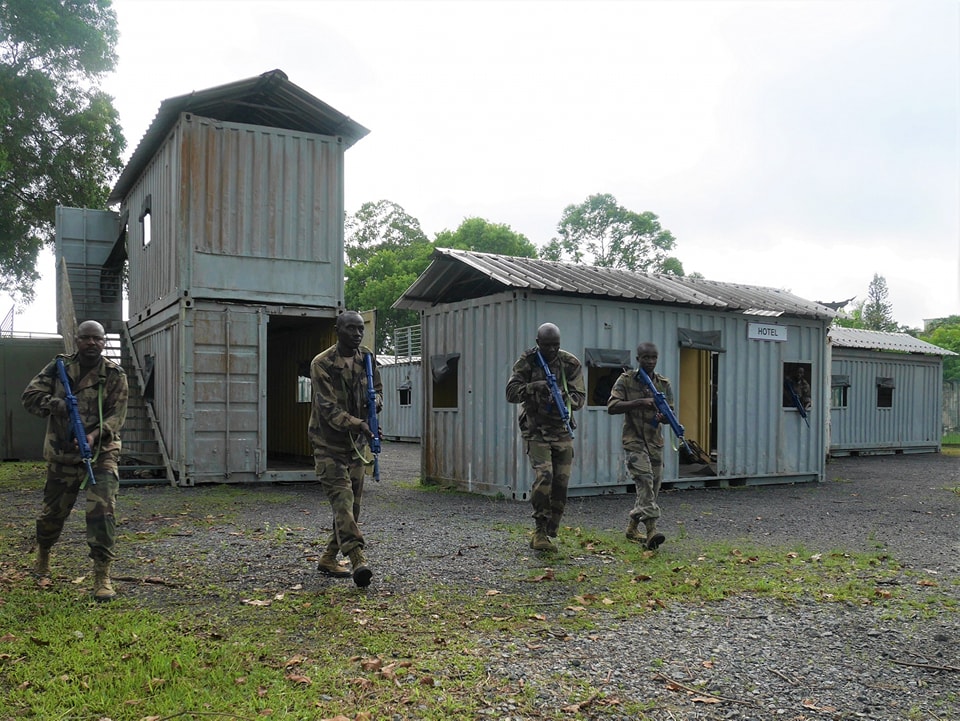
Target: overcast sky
(803, 145)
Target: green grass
(199, 651)
(951, 439)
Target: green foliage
(484, 237)
(876, 312)
(945, 333)
(386, 251)
(61, 136)
(601, 231)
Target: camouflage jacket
(539, 420)
(340, 401)
(106, 380)
(639, 430)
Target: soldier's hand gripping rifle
(555, 392)
(796, 401)
(663, 408)
(372, 420)
(76, 423)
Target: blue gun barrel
(372, 420)
(77, 424)
(664, 409)
(796, 401)
(555, 392)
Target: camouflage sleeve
(519, 379)
(40, 391)
(667, 391)
(328, 405)
(576, 393)
(618, 392)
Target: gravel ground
(742, 658)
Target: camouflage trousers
(59, 495)
(341, 478)
(552, 462)
(646, 469)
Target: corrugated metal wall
(403, 397)
(912, 424)
(477, 445)
(22, 433)
(238, 212)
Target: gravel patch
(741, 658)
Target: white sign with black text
(765, 331)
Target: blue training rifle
(555, 392)
(796, 401)
(663, 408)
(372, 420)
(78, 430)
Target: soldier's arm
(576, 393)
(38, 397)
(517, 386)
(114, 407)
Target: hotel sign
(765, 331)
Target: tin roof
(269, 100)
(880, 340)
(455, 275)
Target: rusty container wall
(473, 441)
(84, 241)
(912, 424)
(22, 433)
(238, 213)
(402, 416)
(223, 373)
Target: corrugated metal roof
(270, 100)
(880, 340)
(455, 275)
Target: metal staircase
(144, 458)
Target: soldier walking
(549, 444)
(100, 387)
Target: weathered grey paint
(237, 212)
(210, 381)
(476, 445)
(400, 422)
(914, 422)
(21, 433)
(84, 240)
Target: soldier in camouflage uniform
(642, 441)
(548, 442)
(100, 386)
(340, 435)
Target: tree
(602, 231)
(386, 251)
(876, 312)
(945, 333)
(484, 237)
(61, 135)
(379, 226)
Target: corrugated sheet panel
(402, 416)
(269, 100)
(455, 275)
(477, 446)
(880, 340)
(238, 213)
(912, 422)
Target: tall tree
(61, 135)
(876, 312)
(602, 232)
(386, 251)
(377, 226)
(482, 236)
